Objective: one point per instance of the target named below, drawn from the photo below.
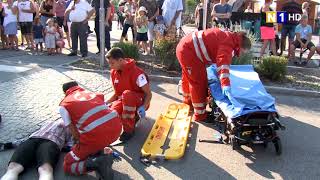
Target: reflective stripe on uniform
(203, 47)
(185, 94)
(129, 108)
(81, 167)
(128, 116)
(224, 75)
(90, 113)
(199, 105)
(73, 168)
(199, 111)
(74, 156)
(99, 122)
(196, 48)
(223, 67)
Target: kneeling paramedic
(132, 92)
(200, 49)
(93, 125)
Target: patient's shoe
(103, 165)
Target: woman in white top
(10, 24)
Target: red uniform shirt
(127, 78)
(216, 46)
(88, 110)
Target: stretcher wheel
(265, 145)
(235, 143)
(277, 145)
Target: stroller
(248, 116)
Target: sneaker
(72, 54)
(126, 136)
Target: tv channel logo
(282, 17)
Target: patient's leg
(13, 171)
(45, 172)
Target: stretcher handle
(179, 88)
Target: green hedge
(273, 68)
(165, 50)
(130, 50)
(244, 59)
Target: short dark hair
(246, 42)
(115, 53)
(69, 85)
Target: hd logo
(282, 17)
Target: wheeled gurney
(248, 113)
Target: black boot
(125, 136)
(103, 165)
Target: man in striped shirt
(43, 147)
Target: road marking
(14, 69)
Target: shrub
(191, 6)
(165, 50)
(273, 67)
(243, 59)
(130, 50)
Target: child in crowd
(160, 28)
(38, 34)
(142, 28)
(59, 38)
(50, 36)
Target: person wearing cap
(152, 12)
(132, 94)
(141, 22)
(93, 125)
(199, 49)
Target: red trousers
(194, 79)
(90, 143)
(127, 108)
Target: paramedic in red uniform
(132, 92)
(93, 125)
(203, 48)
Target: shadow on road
(156, 88)
(300, 153)
(192, 166)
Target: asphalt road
(30, 98)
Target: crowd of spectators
(46, 25)
(49, 24)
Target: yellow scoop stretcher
(169, 134)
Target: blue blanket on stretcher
(248, 95)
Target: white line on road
(14, 69)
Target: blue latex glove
(141, 112)
(226, 90)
